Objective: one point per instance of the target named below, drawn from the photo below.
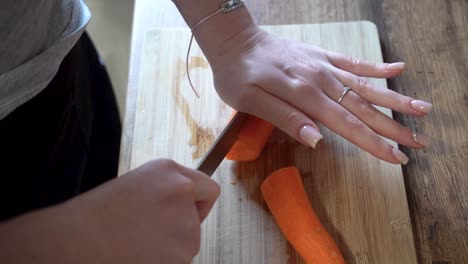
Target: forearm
(38, 237)
(212, 33)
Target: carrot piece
(284, 194)
(251, 140)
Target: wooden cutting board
(360, 200)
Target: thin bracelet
(224, 8)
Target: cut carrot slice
(287, 200)
(251, 140)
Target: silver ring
(346, 90)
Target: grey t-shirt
(35, 37)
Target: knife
(219, 149)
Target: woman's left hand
(292, 85)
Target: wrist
(217, 31)
(212, 33)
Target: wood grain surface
(360, 199)
(431, 36)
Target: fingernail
(396, 66)
(422, 139)
(400, 156)
(310, 135)
(421, 106)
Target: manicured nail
(422, 139)
(400, 156)
(310, 135)
(396, 66)
(421, 106)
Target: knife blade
(218, 150)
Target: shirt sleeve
(26, 80)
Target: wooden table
(432, 38)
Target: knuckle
(300, 87)
(403, 132)
(402, 102)
(160, 165)
(183, 185)
(368, 111)
(365, 87)
(352, 62)
(383, 148)
(314, 68)
(292, 120)
(165, 163)
(378, 67)
(179, 185)
(288, 69)
(354, 124)
(317, 71)
(305, 73)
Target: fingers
(282, 115)
(344, 123)
(205, 190)
(306, 90)
(365, 68)
(382, 96)
(376, 120)
(311, 100)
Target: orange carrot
(251, 140)
(284, 194)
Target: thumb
(206, 191)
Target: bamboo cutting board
(360, 200)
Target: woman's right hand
(149, 215)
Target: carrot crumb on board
(234, 181)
